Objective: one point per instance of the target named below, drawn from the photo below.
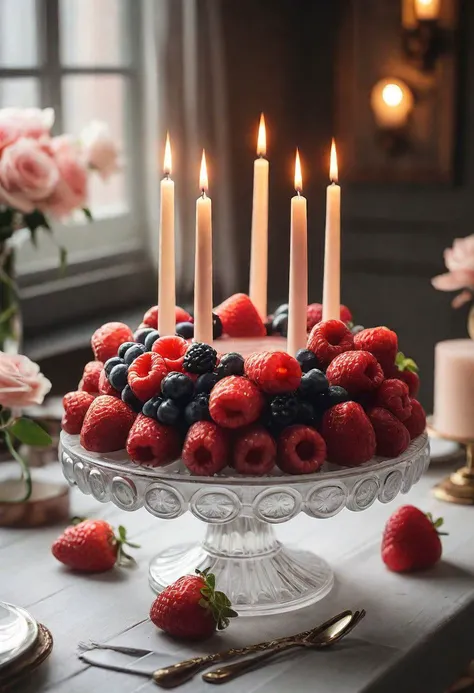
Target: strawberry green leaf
(405, 364)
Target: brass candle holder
(459, 486)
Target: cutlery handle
(232, 671)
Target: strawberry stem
(219, 603)
(436, 524)
(124, 558)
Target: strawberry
(105, 388)
(349, 435)
(106, 340)
(191, 608)
(106, 425)
(90, 377)
(301, 450)
(150, 319)
(411, 541)
(328, 339)
(152, 443)
(356, 371)
(145, 375)
(240, 318)
(235, 402)
(205, 450)
(273, 371)
(172, 350)
(381, 342)
(76, 405)
(416, 422)
(393, 395)
(92, 547)
(390, 434)
(254, 452)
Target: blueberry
(357, 328)
(307, 414)
(197, 410)
(142, 333)
(115, 361)
(178, 387)
(230, 364)
(131, 399)
(185, 330)
(307, 360)
(281, 310)
(118, 376)
(313, 383)
(337, 395)
(217, 328)
(168, 412)
(123, 348)
(205, 383)
(150, 408)
(151, 339)
(280, 324)
(133, 353)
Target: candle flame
(167, 159)
(333, 172)
(262, 137)
(298, 176)
(203, 180)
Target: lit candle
(298, 298)
(259, 250)
(392, 102)
(332, 251)
(166, 270)
(203, 262)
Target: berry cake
(349, 396)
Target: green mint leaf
(30, 433)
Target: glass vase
(10, 314)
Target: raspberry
(314, 315)
(391, 435)
(345, 314)
(90, 377)
(150, 319)
(254, 452)
(105, 388)
(106, 425)
(200, 358)
(240, 318)
(416, 422)
(328, 339)
(151, 443)
(235, 402)
(301, 450)
(393, 395)
(381, 342)
(145, 375)
(205, 450)
(349, 435)
(273, 371)
(356, 371)
(106, 340)
(172, 350)
(412, 380)
(75, 406)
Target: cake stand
(258, 573)
(458, 487)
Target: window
(82, 57)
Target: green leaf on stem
(25, 471)
(87, 214)
(62, 260)
(30, 433)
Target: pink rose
(21, 382)
(9, 132)
(459, 260)
(28, 173)
(70, 192)
(31, 122)
(100, 149)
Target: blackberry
(205, 383)
(130, 398)
(337, 395)
(151, 339)
(284, 410)
(118, 376)
(178, 387)
(108, 365)
(133, 353)
(185, 330)
(307, 360)
(357, 328)
(168, 413)
(282, 310)
(197, 410)
(142, 333)
(123, 348)
(150, 408)
(200, 358)
(280, 324)
(230, 364)
(307, 414)
(313, 383)
(217, 328)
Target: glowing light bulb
(392, 102)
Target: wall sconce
(392, 102)
(423, 39)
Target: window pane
(92, 32)
(20, 92)
(101, 97)
(18, 41)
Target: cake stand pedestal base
(459, 486)
(259, 575)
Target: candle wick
(203, 193)
(167, 175)
(298, 192)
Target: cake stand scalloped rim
(168, 492)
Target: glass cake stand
(258, 573)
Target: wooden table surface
(418, 634)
